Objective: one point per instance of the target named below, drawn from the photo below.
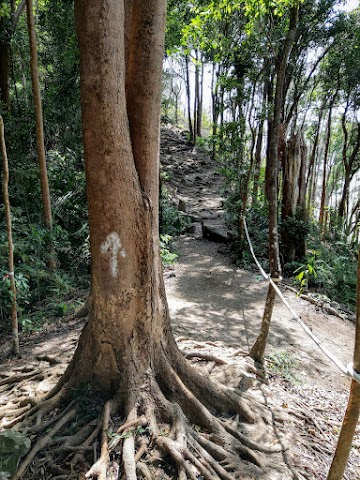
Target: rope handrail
(346, 370)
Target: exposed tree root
(205, 356)
(99, 469)
(165, 426)
(42, 442)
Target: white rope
(346, 370)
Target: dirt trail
(217, 308)
(211, 300)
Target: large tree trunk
(293, 197)
(127, 350)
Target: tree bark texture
(4, 73)
(127, 342)
(312, 163)
(272, 178)
(293, 196)
(40, 145)
(259, 142)
(352, 413)
(348, 162)
(121, 151)
(14, 319)
(188, 97)
(325, 172)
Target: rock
(13, 446)
(215, 233)
(191, 228)
(181, 205)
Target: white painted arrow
(112, 244)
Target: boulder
(13, 446)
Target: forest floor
(216, 310)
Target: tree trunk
(196, 97)
(293, 197)
(188, 97)
(14, 319)
(312, 163)
(45, 192)
(352, 413)
(127, 350)
(259, 143)
(348, 161)
(272, 172)
(5, 55)
(4, 73)
(200, 99)
(325, 173)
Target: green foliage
(172, 222)
(40, 292)
(306, 272)
(282, 364)
(330, 269)
(168, 257)
(296, 227)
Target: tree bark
(188, 97)
(325, 173)
(45, 192)
(352, 413)
(14, 319)
(293, 196)
(5, 56)
(272, 173)
(259, 142)
(348, 161)
(4, 73)
(312, 162)
(200, 98)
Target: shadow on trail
(212, 300)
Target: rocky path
(213, 301)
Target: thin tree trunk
(4, 73)
(348, 161)
(5, 56)
(311, 169)
(326, 153)
(196, 97)
(259, 143)
(257, 351)
(14, 319)
(352, 413)
(200, 99)
(45, 192)
(187, 84)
